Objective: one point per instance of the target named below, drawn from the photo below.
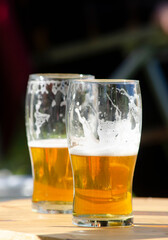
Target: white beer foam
(48, 143)
(115, 139)
(98, 150)
(102, 150)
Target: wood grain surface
(18, 222)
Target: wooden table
(18, 222)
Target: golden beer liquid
(103, 184)
(52, 173)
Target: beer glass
(104, 119)
(46, 135)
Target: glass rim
(95, 80)
(58, 76)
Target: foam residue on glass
(117, 137)
(45, 92)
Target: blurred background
(125, 39)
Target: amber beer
(103, 185)
(52, 174)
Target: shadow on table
(140, 231)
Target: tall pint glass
(104, 120)
(46, 135)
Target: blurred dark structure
(125, 39)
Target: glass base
(103, 222)
(52, 207)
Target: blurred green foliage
(17, 158)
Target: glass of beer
(46, 135)
(104, 119)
